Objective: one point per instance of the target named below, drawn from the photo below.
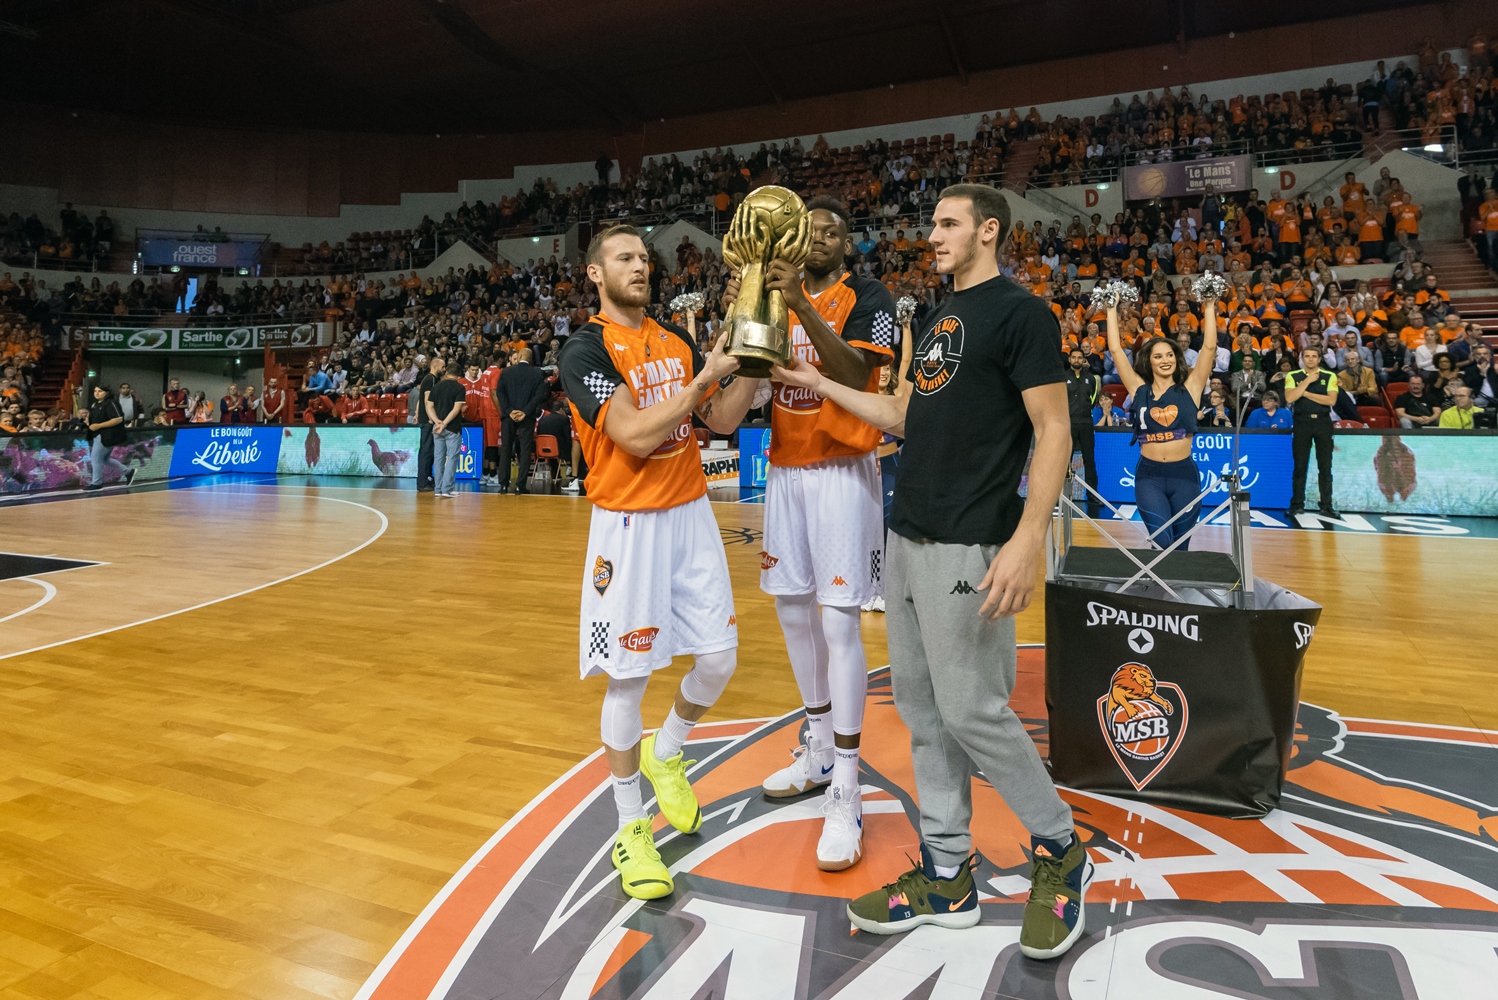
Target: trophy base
(757, 346)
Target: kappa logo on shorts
(603, 575)
(1144, 720)
(639, 640)
(962, 587)
(767, 561)
(838, 581)
(733, 621)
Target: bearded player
(655, 580)
(824, 521)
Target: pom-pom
(1114, 292)
(905, 310)
(688, 302)
(1209, 287)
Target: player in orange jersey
(824, 525)
(655, 578)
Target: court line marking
(49, 593)
(384, 526)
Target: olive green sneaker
(673, 792)
(1058, 882)
(919, 897)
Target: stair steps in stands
(1473, 288)
(1387, 140)
(1018, 159)
(46, 387)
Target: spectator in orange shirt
(1288, 243)
(1354, 196)
(1183, 319)
(1407, 220)
(1370, 236)
(1487, 214)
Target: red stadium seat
(1348, 423)
(1117, 393)
(1380, 422)
(1368, 413)
(1393, 391)
(547, 447)
(703, 436)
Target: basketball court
(325, 738)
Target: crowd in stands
(1438, 94)
(76, 239)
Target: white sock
(674, 732)
(819, 728)
(946, 871)
(845, 767)
(627, 799)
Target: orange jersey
(804, 427)
(653, 363)
(1489, 213)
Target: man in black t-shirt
(444, 408)
(424, 454)
(1082, 391)
(986, 376)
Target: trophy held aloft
(771, 223)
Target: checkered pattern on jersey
(598, 640)
(599, 385)
(882, 330)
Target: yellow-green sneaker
(640, 868)
(673, 792)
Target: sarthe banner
(1184, 705)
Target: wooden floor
(254, 797)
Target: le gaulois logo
(1143, 720)
(767, 561)
(603, 575)
(640, 640)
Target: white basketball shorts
(655, 585)
(824, 531)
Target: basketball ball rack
(1224, 578)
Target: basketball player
(986, 374)
(489, 414)
(824, 525)
(655, 580)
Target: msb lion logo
(603, 575)
(1144, 720)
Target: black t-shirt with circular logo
(967, 434)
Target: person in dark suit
(521, 391)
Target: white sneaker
(841, 844)
(811, 768)
(875, 604)
(573, 487)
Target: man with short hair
(1082, 391)
(521, 390)
(823, 545)
(1482, 377)
(174, 403)
(426, 450)
(1269, 416)
(273, 403)
(968, 424)
(1311, 392)
(656, 577)
(1415, 407)
(444, 405)
(130, 405)
(1392, 361)
(1459, 417)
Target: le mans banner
(1183, 178)
(221, 339)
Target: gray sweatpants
(953, 672)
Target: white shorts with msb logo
(824, 531)
(655, 585)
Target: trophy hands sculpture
(771, 223)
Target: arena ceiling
(492, 66)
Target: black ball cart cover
(1178, 704)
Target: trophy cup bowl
(770, 223)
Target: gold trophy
(771, 223)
